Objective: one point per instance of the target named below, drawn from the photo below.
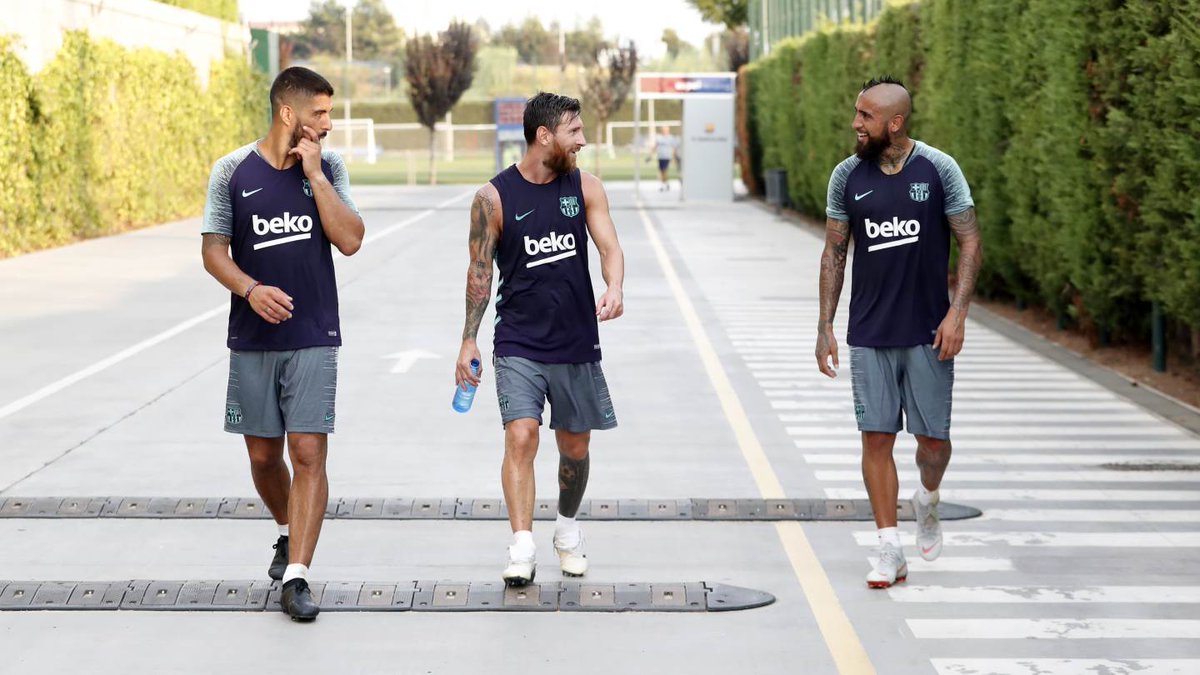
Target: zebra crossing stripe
(970, 495)
(1010, 419)
(905, 442)
(1059, 476)
(1029, 430)
(1054, 629)
(948, 563)
(1093, 515)
(1047, 594)
(1045, 666)
(1129, 540)
(1015, 460)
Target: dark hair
(297, 80)
(547, 110)
(882, 79)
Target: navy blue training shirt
(276, 237)
(545, 308)
(898, 291)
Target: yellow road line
(843, 643)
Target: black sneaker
(297, 601)
(280, 562)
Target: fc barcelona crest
(918, 191)
(307, 188)
(569, 206)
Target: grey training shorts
(891, 380)
(277, 392)
(577, 392)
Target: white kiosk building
(708, 135)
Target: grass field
(470, 168)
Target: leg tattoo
(572, 481)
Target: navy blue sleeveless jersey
(898, 291)
(545, 309)
(276, 237)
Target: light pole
(346, 79)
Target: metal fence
(773, 20)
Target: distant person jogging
(533, 220)
(900, 201)
(275, 207)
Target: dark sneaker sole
(518, 582)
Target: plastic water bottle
(463, 398)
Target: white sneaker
(929, 527)
(520, 571)
(891, 568)
(571, 561)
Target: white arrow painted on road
(406, 359)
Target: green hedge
(226, 10)
(107, 138)
(18, 190)
(1075, 122)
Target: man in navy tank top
(900, 201)
(275, 206)
(534, 220)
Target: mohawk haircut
(297, 80)
(882, 79)
(547, 110)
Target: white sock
(566, 531)
(889, 535)
(926, 497)
(283, 529)
(295, 571)
(523, 546)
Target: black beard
(872, 148)
(298, 135)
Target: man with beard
(534, 219)
(899, 200)
(274, 208)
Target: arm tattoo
(211, 239)
(833, 270)
(482, 246)
(572, 481)
(970, 257)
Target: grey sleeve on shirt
(835, 201)
(341, 178)
(218, 208)
(954, 184)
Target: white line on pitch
(1054, 629)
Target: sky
(642, 21)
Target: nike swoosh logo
(858, 196)
(526, 213)
(247, 194)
